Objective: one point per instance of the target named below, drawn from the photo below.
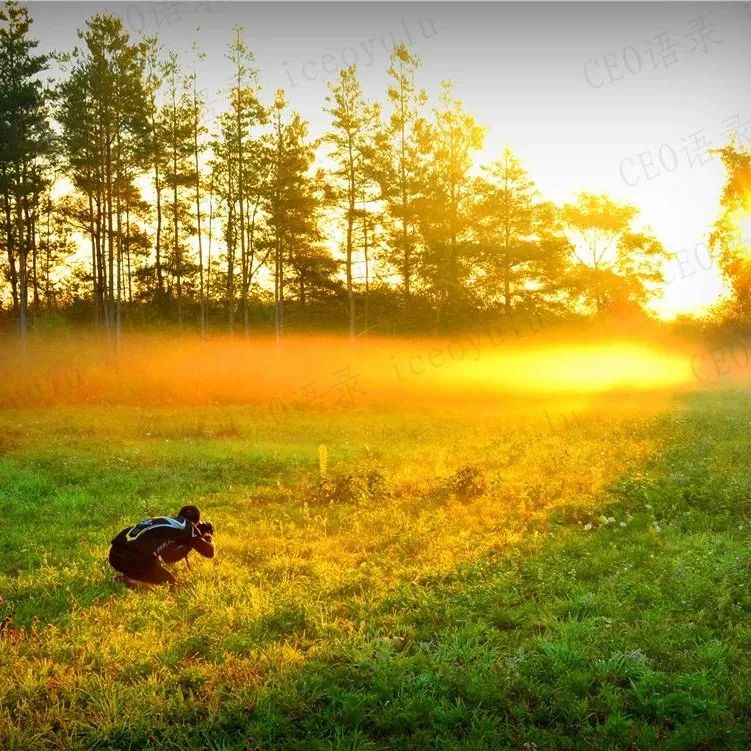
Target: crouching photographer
(138, 551)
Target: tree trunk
(158, 238)
(48, 301)
(94, 254)
(23, 297)
(507, 252)
(176, 252)
(198, 211)
(208, 259)
(406, 251)
(230, 255)
(31, 230)
(279, 290)
(110, 240)
(241, 201)
(119, 281)
(350, 224)
(12, 271)
(367, 276)
(127, 254)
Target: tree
(549, 291)
(241, 168)
(312, 271)
(178, 117)
(370, 238)
(55, 245)
(509, 227)
(104, 115)
(157, 155)
(292, 202)
(353, 139)
(446, 205)
(401, 167)
(198, 147)
(613, 264)
(25, 145)
(730, 238)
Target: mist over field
(333, 372)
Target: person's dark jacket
(165, 537)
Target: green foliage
(616, 268)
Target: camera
(205, 528)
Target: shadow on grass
(60, 593)
(506, 652)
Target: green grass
(483, 578)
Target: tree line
(122, 200)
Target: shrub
(467, 482)
(350, 487)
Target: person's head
(191, 513)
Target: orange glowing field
(331, 372)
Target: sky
(622, 98)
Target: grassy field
(475, 576)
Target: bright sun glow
(691, 291)
(582, 369)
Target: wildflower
(621, 524)
(588, 526)
(657, 527)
